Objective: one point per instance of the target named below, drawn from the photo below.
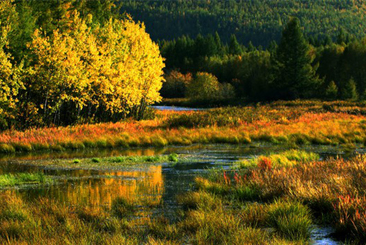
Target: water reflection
(85, 153)
(217, 151)
(141, 186)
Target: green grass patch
(292, 220)
(95, 160)
(8, 180)
(128, 160)
(285, 159)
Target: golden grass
(278, 124)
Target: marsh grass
(293, 123)
(123, 160)
(6, 148)
(8, 180)
(126, 160)
(206, 219)
(115, 162)
(291, 196)
(285, 159)
(229, 207)
(292, 220)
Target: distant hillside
(259, 21)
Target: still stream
(160, 183)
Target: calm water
(176, 108)
(159, 183)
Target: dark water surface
(153, 183)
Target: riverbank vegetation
(288, 123)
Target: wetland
(145, 189)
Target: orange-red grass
(275, 125)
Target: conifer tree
(349, 90)
(218, 44)
(234, 46)
(251, 47)
(211, 46)
(331, 91)
(294, 75)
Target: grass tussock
(291, 220)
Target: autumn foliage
(81, 71)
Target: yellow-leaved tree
(104, 72)
(62, 74)
(9, 73)
(136, 66)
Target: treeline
(258, 21)
(65, 62)
(291, 69)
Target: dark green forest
(258, 21)
(289, 69)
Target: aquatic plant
(7, 180)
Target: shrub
(175, 85)
(205, 86)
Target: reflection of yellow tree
(144, 187)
